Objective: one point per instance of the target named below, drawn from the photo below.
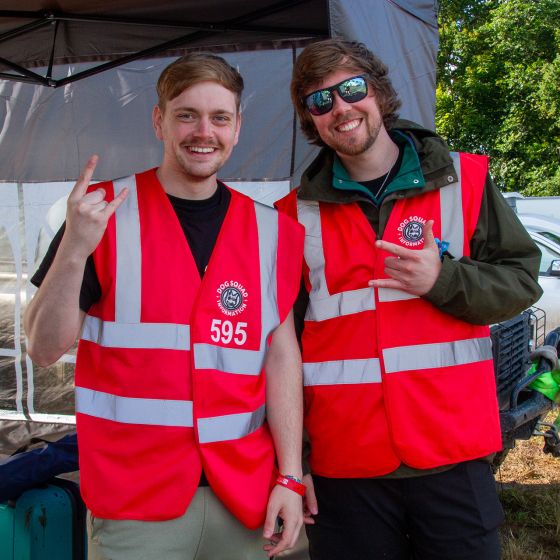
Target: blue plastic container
(44, 523)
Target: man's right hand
(309, 501)
(87, 214)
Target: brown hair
(320, 59)
(194, 68)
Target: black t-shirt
(201, 221)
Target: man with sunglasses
(410, 252)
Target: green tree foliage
(498, 88)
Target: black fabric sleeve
(300, 308)
(90, 292)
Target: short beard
(356, 149)
(196, 173)
(199, 175)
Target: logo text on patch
(231, 298)
(411, 231)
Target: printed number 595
(223, 331)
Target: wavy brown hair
(194, 68)
(320, 59)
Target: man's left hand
(287, 505)
(413, 271)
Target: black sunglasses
(350, 90)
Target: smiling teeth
(351, 125)
(201, 150)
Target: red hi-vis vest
(388, 377)
(169, 374)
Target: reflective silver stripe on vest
(228, 360)
(437, 355)
(136, 335)
(230, 426)
(165, 412)
(341, 372)
(129, 410)
(238, 360)
(390, 294)
(267, 226)
(323, 305)
(345, 303)
(309, 216)
(451, 207)
(129, 259)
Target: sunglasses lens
(319, 102)
(353, 90)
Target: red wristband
(291, 484)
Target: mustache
(201, 144)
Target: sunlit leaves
(499, 87)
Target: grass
(532, 527)
(529, 488)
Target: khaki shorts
(207, 531)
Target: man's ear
(157, 117)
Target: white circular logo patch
(411, 231)
(232, 298)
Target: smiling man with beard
(188, 375)
(410, 252)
